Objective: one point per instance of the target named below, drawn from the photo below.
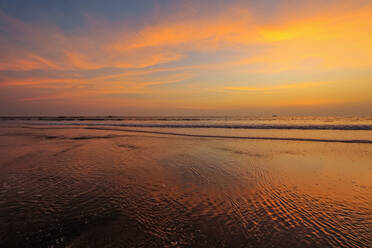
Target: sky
(172, 57)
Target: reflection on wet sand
(80, 187)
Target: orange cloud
(75, 88)
(79, 61)
(201, 34)
(336, 39)
(279, 87)
(27, 62)
(210, 51)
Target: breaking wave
(223, 126)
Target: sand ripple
(148, 191)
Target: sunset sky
(169, 57)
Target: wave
(222, 126)
(241, 137)
(355, 141)
(118, 118)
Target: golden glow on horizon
(196, 62)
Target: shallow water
(68, 186)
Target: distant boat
(274, 116)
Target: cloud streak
(208, 48)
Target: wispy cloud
(193, 46)
(279, 87)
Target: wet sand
(83, 187)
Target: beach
(185, 124)
(65, 185)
